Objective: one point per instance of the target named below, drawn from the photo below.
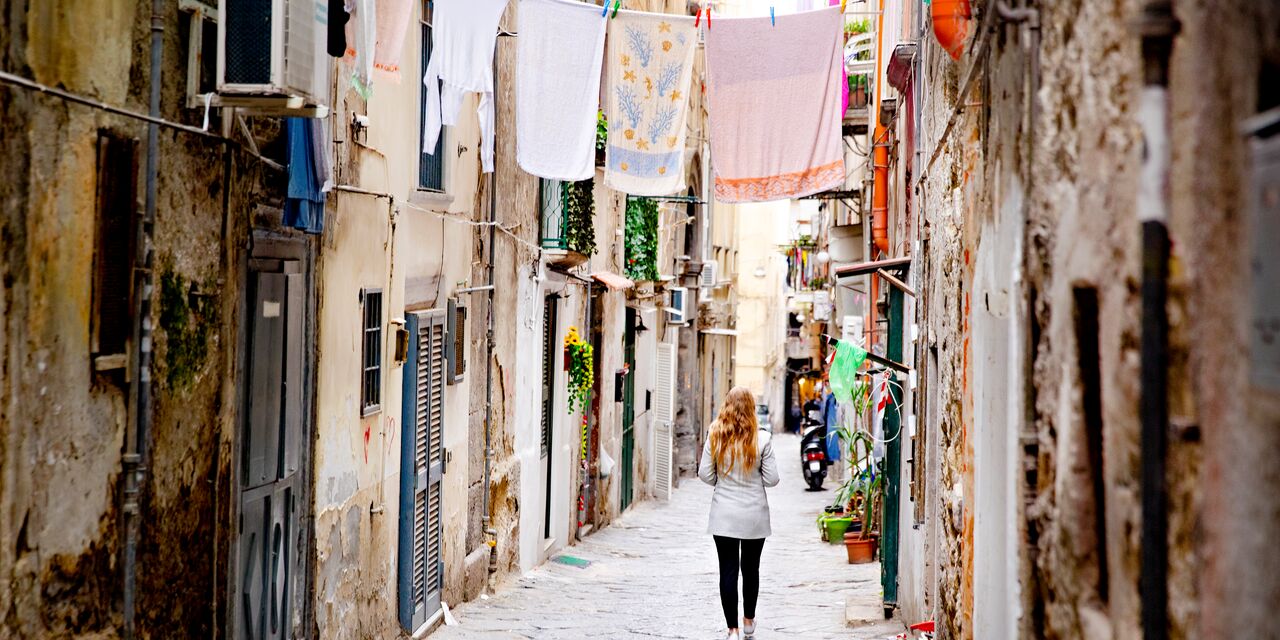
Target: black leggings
(727, 550)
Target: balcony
(568, 235)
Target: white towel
(464, 34)
(650, 70)
(560, 54)
(362, 34)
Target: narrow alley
(652, 574)
(422, 319)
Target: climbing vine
(642, 239)
(579, 210)
(581, 369)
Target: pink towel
(393, 25)
(773, 94)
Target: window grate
(371, 384)
(430, 165)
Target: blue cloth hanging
(304, 201)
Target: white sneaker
(749, 630)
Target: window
(201, 27)
(430, 166)
(551, 205)
(371, 380)
(117, 192)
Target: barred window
(371, 378)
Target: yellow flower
(642, 144)
(629, 133)
(662, 171)
(626, 60)
(624, 166)
(675, 95)
(664, 27)
(629, 76)
(666, 45)
(671, 141)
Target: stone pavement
(653, 575)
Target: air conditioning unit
(678, 312)
(272, 56)
(710, 273)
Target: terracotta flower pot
(859, 550)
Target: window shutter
(456, 348)
(664, 410)
(117, 194)
(422, 468)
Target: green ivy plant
(581, 369)
(642, 239)
(602, 130)
(579, 210)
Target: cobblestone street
(652, 574)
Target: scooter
(813, 453)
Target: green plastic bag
(844, 370)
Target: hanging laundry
(558, 61)
(304, 200)
(650, 68)
(362, 34)
(774, 103)
(336, 28)
(464, 34)
(393, 24)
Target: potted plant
(860, 493)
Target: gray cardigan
(739, 506)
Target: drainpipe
(486, 519)
(1156, 26)
(880, 189)
(137, 443)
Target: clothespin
(605, 12)
(697, 18)
(708, 18)
(842, 3)
(616, 4)
(772, 18)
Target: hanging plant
(642, 239)
(602, 130)
(579, 210)
(581, 369)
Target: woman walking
(738, 461)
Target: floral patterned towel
(650, 63)
(773, 97)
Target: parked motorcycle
(813, 453)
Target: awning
(612, 281)
(720, 332)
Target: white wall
(997, 408)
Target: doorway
(270, 548)
(549, 320)
(627, 492)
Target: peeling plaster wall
(416, 248)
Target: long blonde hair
(733, 434)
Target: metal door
(270, 546)
(421, 568)
(628, 412)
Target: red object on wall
(951, 24)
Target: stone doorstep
(862, 609)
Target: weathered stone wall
(63, 424)
(1082, 235)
